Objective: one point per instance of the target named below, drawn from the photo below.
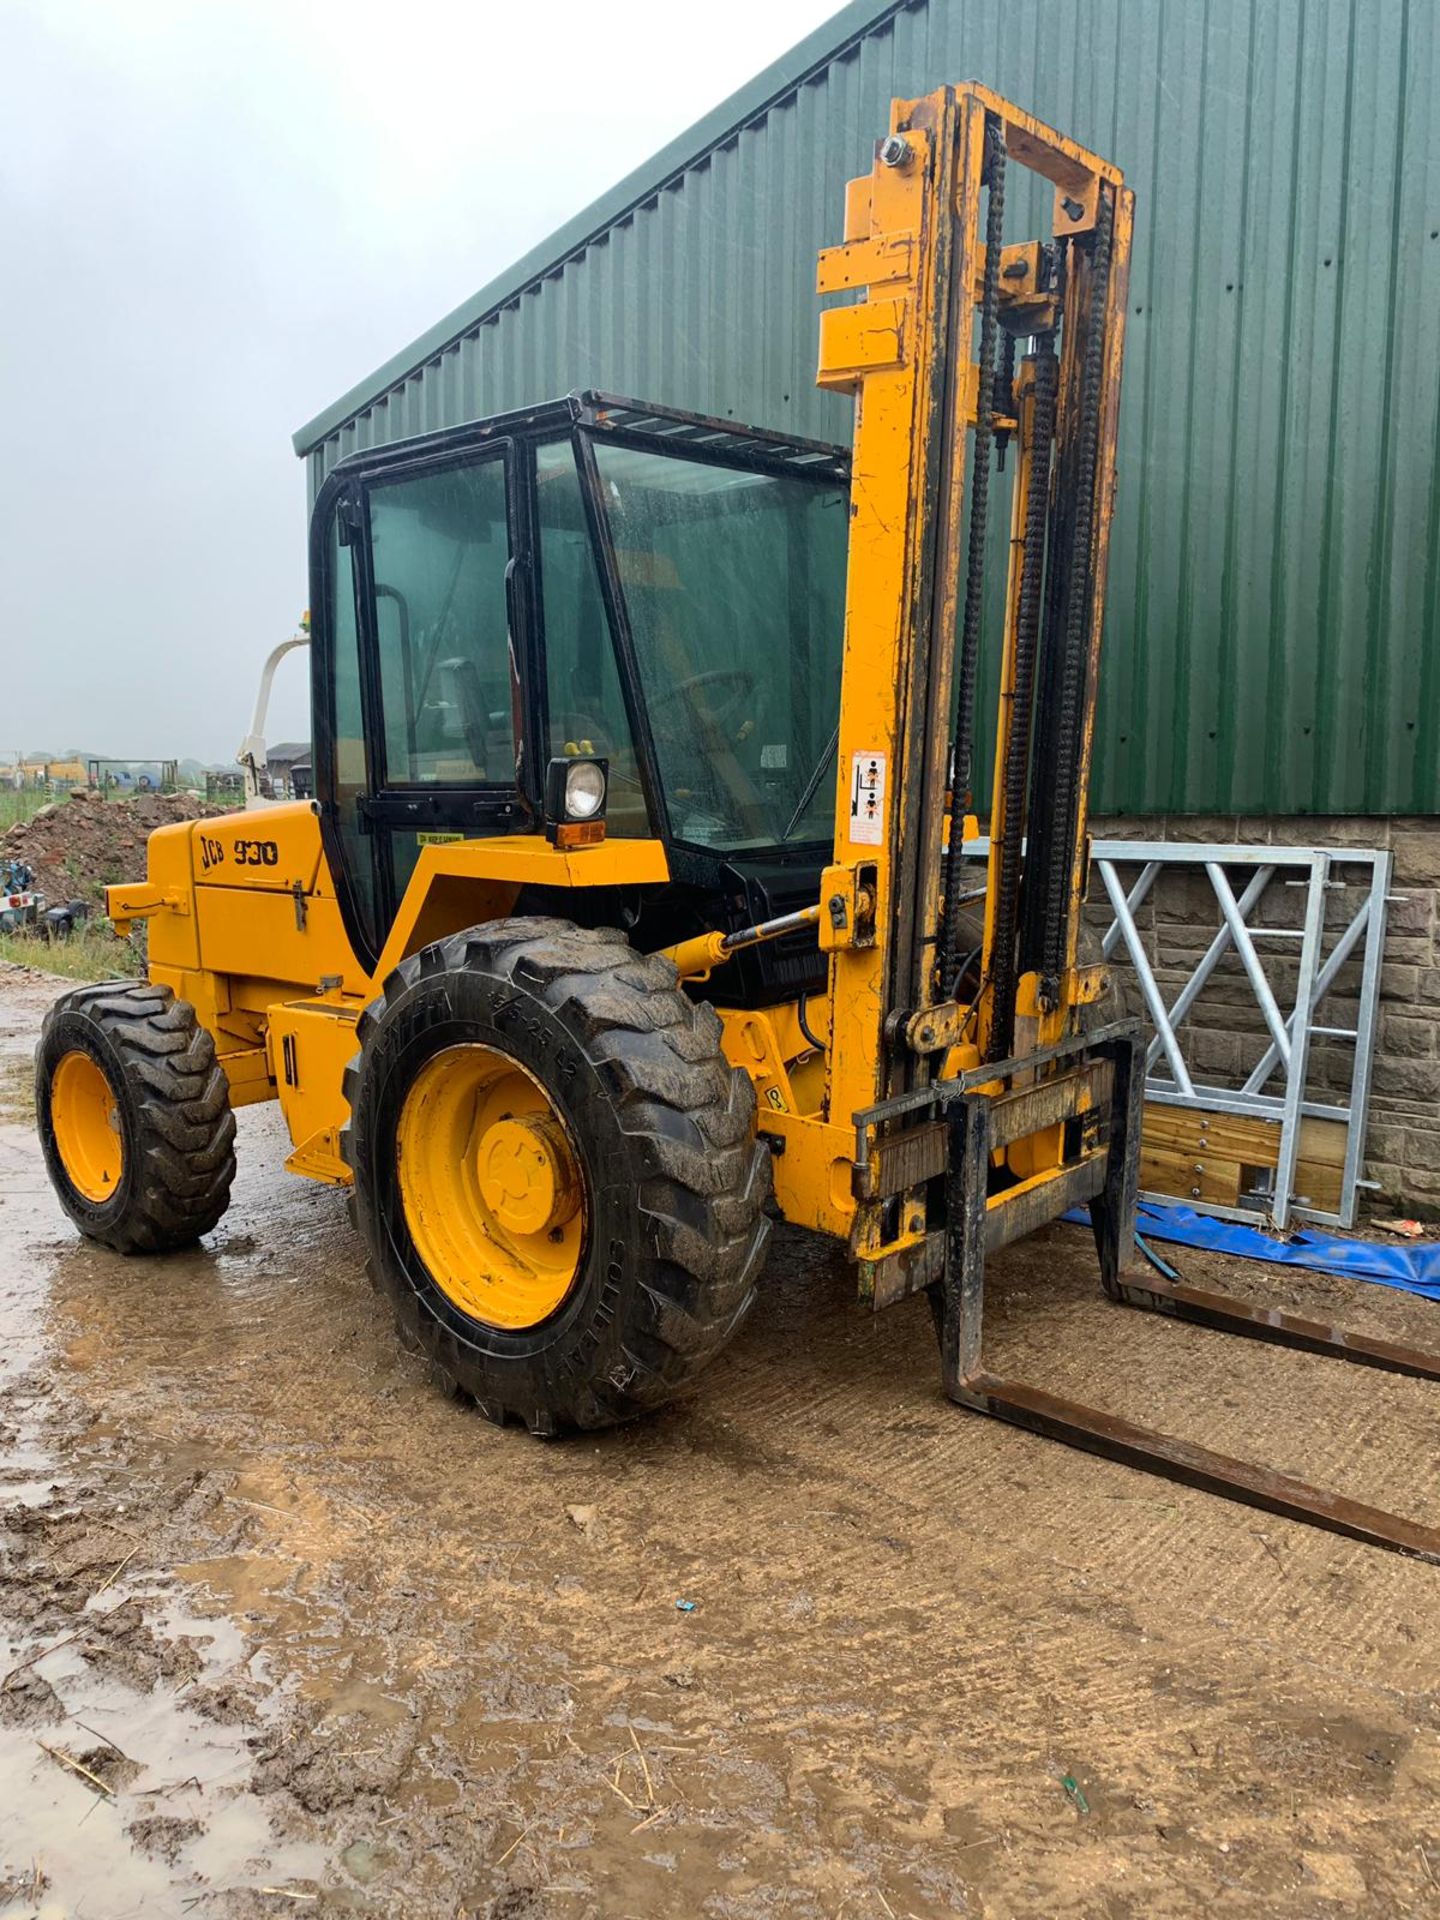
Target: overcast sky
(214, 220)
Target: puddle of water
(179, 1818)
(183, 1791)
(178, 1781)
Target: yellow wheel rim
(87, 1126)
(491, 1187)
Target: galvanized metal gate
(1276, 1087)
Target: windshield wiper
(812, 784)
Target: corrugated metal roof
(1273, 639)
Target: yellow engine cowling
(242, 913)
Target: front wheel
(556, 1171)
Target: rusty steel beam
(1117, 1439)
(1228, 1315)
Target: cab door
(428, 701)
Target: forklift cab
(591, 578)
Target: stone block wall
(1226, 1035)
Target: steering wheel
(724, 708)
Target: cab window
(734, 582)
(586, 705)
(439, 545)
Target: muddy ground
(326, 1643)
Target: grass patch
(17, 1092)
(91, 953)
(23, 803)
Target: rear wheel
(556, 1171)
(134, 1117)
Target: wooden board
(1210, 1158)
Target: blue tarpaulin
(1414, 1268)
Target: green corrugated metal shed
(1274, 619)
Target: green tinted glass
(351, 775)
(735, 587)
(440, 546)
(587, 708)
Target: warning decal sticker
(867, 799)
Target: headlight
(575, 801)
(584, 790)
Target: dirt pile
(82, 845)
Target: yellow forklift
(642, 878)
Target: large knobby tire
(134, 1116)
(660, 1131)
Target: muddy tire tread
(688, 1119)
(182, 1121)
